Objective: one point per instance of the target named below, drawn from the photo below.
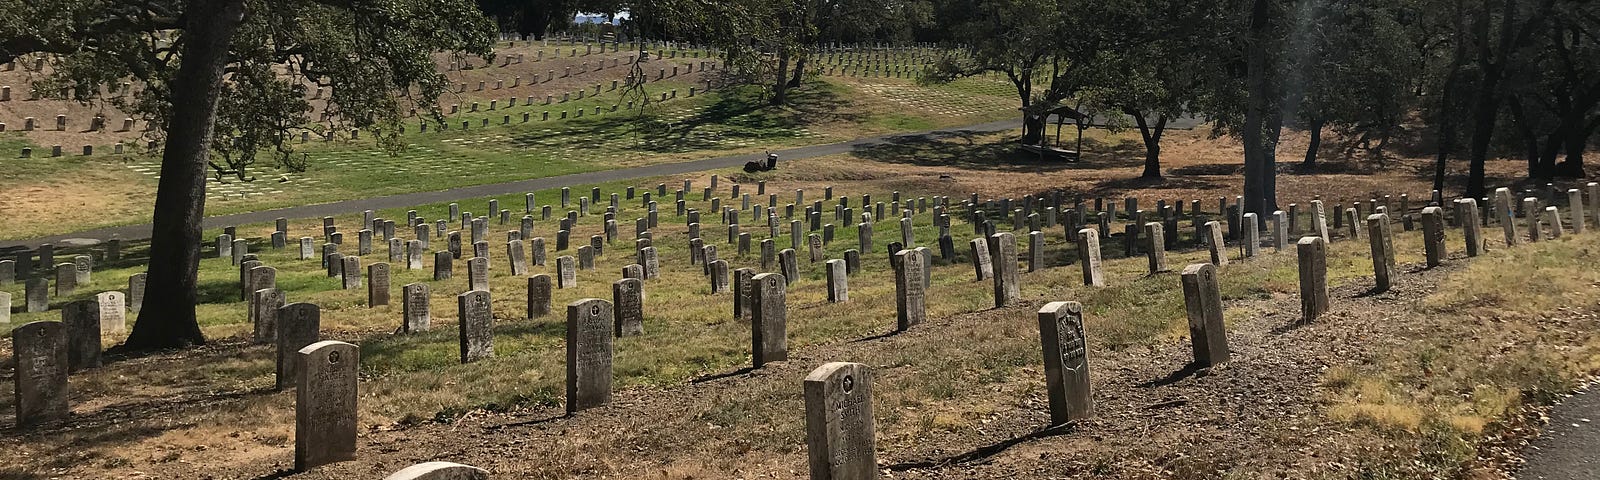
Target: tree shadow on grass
(964, 150)
(986, 451)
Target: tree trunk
(168, 318)
(1316, 141)
(780, 88)
(1152, 142)
(1572, 166)
(1033, 127)
(1256, 104)
(1484, 114)
(799, 73)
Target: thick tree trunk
(1572, 166)
(1032, 129)
(780, 88)
(1316, 142)
(168, 318)
(1152, 142)
(1258, 86)
(1484, 114)
(799, 73)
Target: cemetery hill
(824, 239)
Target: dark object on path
(771, 163)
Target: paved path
(142, 231)
(1566, 448)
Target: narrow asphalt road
(142, 231)
(1565, 450)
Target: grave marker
(298, 325)
(910, 293)
(589, 352)
(325, 403)
(769, 319)
(477, 325)
(1202, 301)
(39, 352)
(82, 321)
(1007, 291)
(1066, 361)
(839, 422)
(1314, 276)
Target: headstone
(769, 318)
(838, 281)
(325, 403)
(37, 293)
(839, 422)
(539, 294)
(83, 269)
(1433, 235)
(983, 267)
(5, 308)
(82, 321)
(1314, 276)
(1202, 301)
(788, 266)
(477, 325)
(1007, 291)
(1090, 258)
(113, 311)
(417, 315)
(1066, 362)
(627, 297)
(443, 266)
(589, 351)
(351, 273)
(910, 293)
(299, 325)
(66, 279)
(439, 471)
(566, 272)
(1155, 247)
(1383, 264)
(478, 274)
(1218, 246)
(39, 353)
(1471, 228)
(377, 284)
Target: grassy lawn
(722, 122)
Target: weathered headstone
(477, 325)
(769, 318)
(299, 324)
(539, 295)
(82, 321)
(439, 471)
(418, 314)
(1007, 289)
(1313, 258)
(478, 274)
(589, 350)
(377, 284)
(443, 265)
(5, 308)
(1155, 247)
(83, 269)
(39, 352)
(1066, 361)
(1202, 301)
(325, 403)
(264, 314)
(787, 265)
(838, 281)
(66, 279)
(1471, 228)
(566, 272)
(351, 273)
(910, 294)
(1433, 235)
(37, 292)
(627, 297)
(982, 266)
(839, 422)
(1383, 264)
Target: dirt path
(142, 231)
